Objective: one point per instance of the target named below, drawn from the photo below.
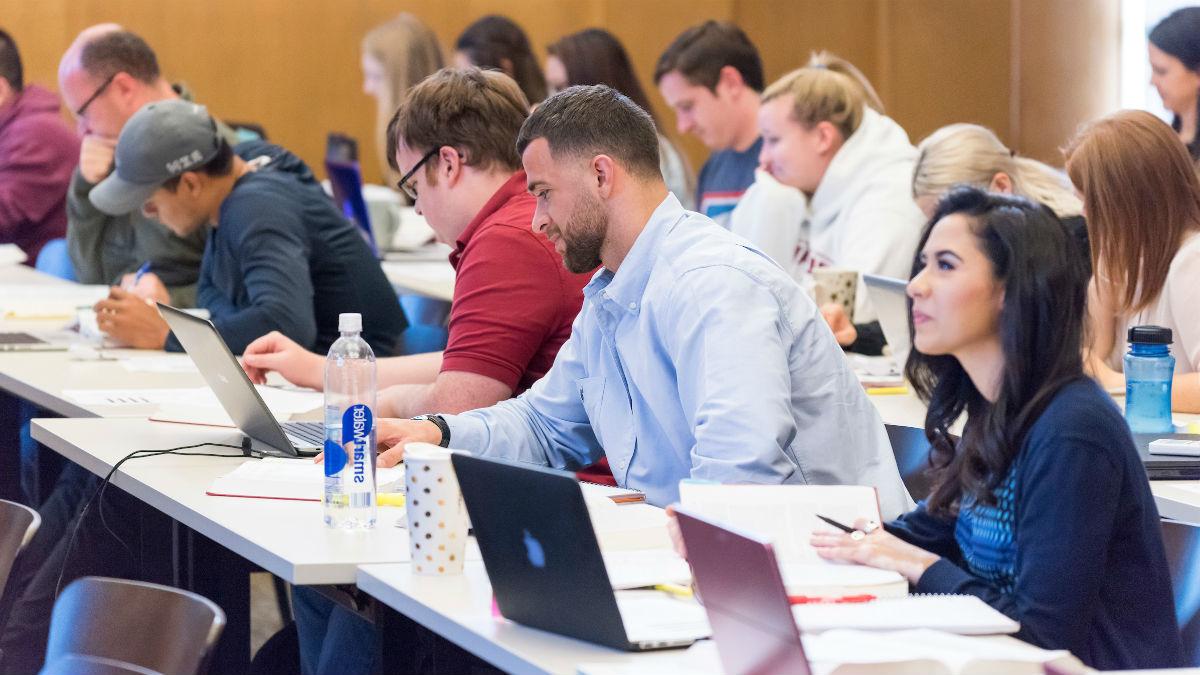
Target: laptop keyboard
(310, 434)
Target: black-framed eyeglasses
(95, 95)
(407, 187)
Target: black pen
(854, 533)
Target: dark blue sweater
(1072, 549)
(282, 257)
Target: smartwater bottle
(350, 429)
(1149, 368)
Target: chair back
(911, 449)
(77, 664)
(18, 523)
(160, 628)
(1182, 543)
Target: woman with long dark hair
(1042, 508)
(496, 42)
(1175, 71)
(596, 56)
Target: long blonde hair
(828, 89)
(971, 154)
(409, 52)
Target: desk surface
(425, 277)
(288, 539)
(459, 608)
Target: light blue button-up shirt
(699, 358)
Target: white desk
(434, 279)
(459, 608)
(289, 539)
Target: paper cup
(834, 285)
(437, 518)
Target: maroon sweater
(38, 152)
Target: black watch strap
(440, 422)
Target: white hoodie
(862, 216)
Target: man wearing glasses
(453, 141)
(106, 75)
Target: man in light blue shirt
(694, 356)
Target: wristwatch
(441, 424)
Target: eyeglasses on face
(405, 185)
(95, 95)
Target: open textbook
(786, 515)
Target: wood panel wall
(1031, 69)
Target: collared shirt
(514, 301)
(698, 358)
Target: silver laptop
(890, 298)
(37, 341)
(237, 394)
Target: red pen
(817, 600)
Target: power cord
(98, 494)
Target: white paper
(175, 363)
(280, 401)
(850, 647)
(11, 254)
(47, 301)
(645, 567)
(962, 614)
(282, 478)
(782, 514)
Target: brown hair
(479, 112)
(700, 52)
(1141, 195)
(588, 120)
(822, 94)
(596, 56)
(409, 52)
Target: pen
(389, 499)
(674, 589)
(816, 600)
(886, 391)
(853, 532)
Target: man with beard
(694, 355)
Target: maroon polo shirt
(514, 301)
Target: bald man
(105, 76)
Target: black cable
(99, 494)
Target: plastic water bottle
(1149, 368)
(350, 429)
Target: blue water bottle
(1149, 368)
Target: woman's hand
(877, 549)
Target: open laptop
(20, 341)
(1167, 467)
(545, 566)
(890, 298)
(739, 581)
(237, 394)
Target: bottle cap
(352, 323)
(1150, 335)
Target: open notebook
(786, 515)
(960, 614)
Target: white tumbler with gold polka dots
(437, 518)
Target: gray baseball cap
(162, 140)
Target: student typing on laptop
(1042, 509)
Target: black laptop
(1167, 467)
(545, 565)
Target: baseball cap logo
(182, 164)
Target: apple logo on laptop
(533, 548)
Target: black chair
(911, 449)
(1182, 542)
(18, 523)
(159, 628)
(77, 664)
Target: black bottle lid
(1150, 335)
